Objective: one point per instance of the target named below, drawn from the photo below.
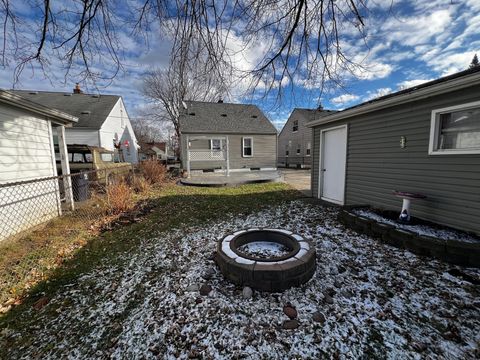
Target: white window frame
(243, 146)
(211, 145)
(293, 126)
(308, 150)
(435, 128)
(298, 150)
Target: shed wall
(26, 153)
(376, 165)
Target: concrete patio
(298, 179)
(235, 178)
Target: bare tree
(301, 40)
(182, 80)
(147, 130)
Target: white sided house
(27, 155)
(103, 120)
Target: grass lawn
(132, 293)
(58, 256)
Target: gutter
(414, 95)
(54, 115)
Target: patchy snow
(264, 249)
(418, 229)
(377, 301)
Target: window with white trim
(286, 150)
(247, 147)
(455, 130)
(299, 149)
(295, 126)
(215, 144)
(307, 151)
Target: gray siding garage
(389, 147)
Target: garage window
(455, 130)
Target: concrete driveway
(298, 178)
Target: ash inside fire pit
(264, 249)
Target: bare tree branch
(282, 42)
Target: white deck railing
(207, 155)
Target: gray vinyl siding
(264, 152)
(376, 165)
(300, 137)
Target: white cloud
(417, 29)
(378, 93)
(411, 83)
(449, 63)
(374, 70)
(344, 99)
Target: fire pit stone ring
(266, 259)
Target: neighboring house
(27, 154)
(295, 139)
(226, 137)
(103, 120)
(153, 150)
(424, 140)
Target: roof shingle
(91, 110)
(209, 117)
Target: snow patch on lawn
(378, 302)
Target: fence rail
(27, 204)
(294, 161)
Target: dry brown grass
(140, 184)
(119, 197)
(153, 171)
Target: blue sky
(408, 42)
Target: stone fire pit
(266, 259)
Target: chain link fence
(25, 204)
(53, 211)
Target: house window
(455, 130)
(247, 147)
(307, 151)
(295, 126)
(286, 150)
(298, 149)
(215, 144)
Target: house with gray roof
(103, 120)
(295, 139)
(226, 137)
